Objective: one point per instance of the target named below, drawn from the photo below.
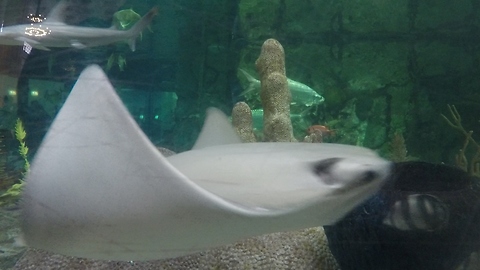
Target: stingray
(98, 188)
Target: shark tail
(137, 29)
(251, 82)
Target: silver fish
(301, 94)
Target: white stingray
(99, 189)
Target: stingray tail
(137, 29)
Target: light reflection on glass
(35, 18)
(37, 31)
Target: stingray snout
(345, 173)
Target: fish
(98, 188)
(426, 216)
(53, 32)
(317, 133)
(126, 18)
(322, 130)
(301, 94)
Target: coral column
(274, 93)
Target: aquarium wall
(385, 69)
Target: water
(399, 78)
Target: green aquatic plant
(14, 192)
(472, 164)
(20, 135)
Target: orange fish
(322, 130)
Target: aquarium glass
(401, 78)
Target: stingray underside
(98, 188)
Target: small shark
(301, 94)
(98, 188)
(52, 32)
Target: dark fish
(426, 217)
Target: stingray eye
(324, 166)
(368, 176)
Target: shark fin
(137, 29)
(131, 43)
(216, 130)
(77, 45)
(35, 44)
(57, 14)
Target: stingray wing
(98, 187)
